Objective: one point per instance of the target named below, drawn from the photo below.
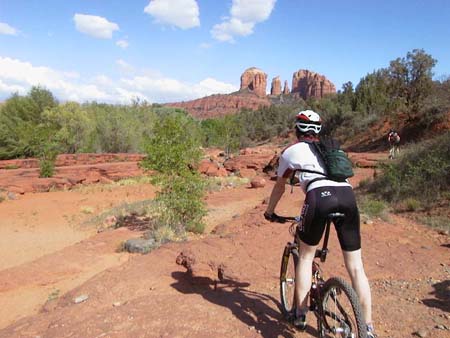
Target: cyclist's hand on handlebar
(273, 217)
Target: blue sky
(173, 50)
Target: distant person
(323, 196)
(394, 142)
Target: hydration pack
(337, 164)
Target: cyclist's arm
(277, 192)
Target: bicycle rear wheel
(342, 311)
(287, 280)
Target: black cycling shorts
(322, 201)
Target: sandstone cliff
(276, 86)
(286, 90)
(255, 80)
(252, 94)
(220, 105)
(306, 84)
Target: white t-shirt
(302, 155)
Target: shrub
(174, 152)
(411, 204)
(422, 172)
(46, 168)
(373, 207)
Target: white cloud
(95, 26)
(244, 15)
(124, 66)
(6, 29)
(10, 88)
(183, 14)
(19, 76)
(122, 44)
(252, 10)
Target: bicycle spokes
(287, 281)
(338, 314)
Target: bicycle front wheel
(342, 315)
(287, 280)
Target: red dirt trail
(151, 296)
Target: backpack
(337, 164)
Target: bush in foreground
(174, 153)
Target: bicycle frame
(332, 317)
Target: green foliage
(46, 168)
(411, 78)
(174, 153)
(222, 132)
(20, 120)
(11, 166)
(437, 222)
(75, 128)
(422, 172)
(411, 204)
(373, 207)
(175, 145)
(72, 127)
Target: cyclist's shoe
(274, 218)
(371, 332)
(300, 322)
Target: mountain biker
(323, 196)
(394, 141)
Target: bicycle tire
(348, 325)
(287, 280)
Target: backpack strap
(314, 180)
(291, 180)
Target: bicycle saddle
(335, 215)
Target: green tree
(73, 128)
(173, 151)
(19, 118)
(412, 78)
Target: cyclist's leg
(303, 276)
(355, 268)
(309, 232)
(349, 236)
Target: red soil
(152, 296)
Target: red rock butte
(306, 84)
(252, 93)
(276, 86)
(255, 80)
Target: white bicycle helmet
(308, 120)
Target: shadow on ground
(442, 296)
(250, 307)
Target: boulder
(140, 245)
(258, 182)
(212, 168)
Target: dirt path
(37, 224)
(152, 296)
(46, 252)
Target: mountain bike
(333, 301)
